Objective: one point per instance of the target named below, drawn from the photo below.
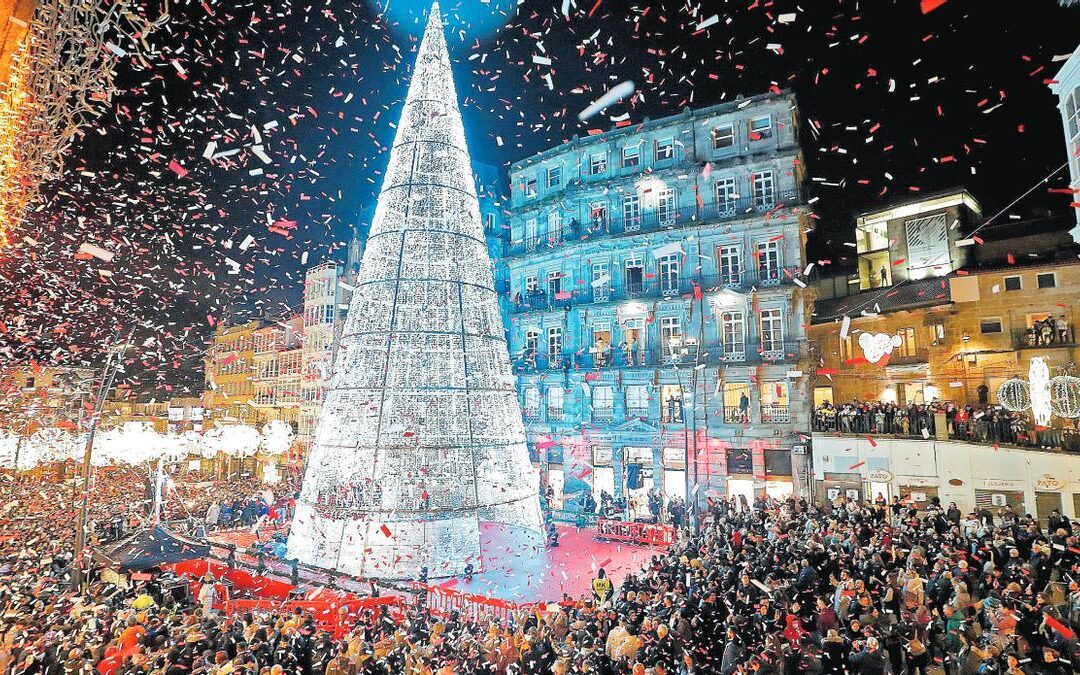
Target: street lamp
(114, 363)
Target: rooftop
(686, 114)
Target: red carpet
(517, 570)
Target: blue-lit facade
(657, 308)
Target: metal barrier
(643, 534)
(442, 602)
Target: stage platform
(518, 571)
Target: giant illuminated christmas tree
(420, 437)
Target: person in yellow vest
(601, 588)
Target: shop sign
(1048, 482)
(998, 484)
(879, 476)
(799, 450)
(918, 481)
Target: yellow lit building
(940, 314)
(14, 22)
(230, 377)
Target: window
(760, 128)
(1046, 280)
(531, 284)
(665, 206)
(664, 149)
(631, 211)
(603, 402)
(531, 234)
(554, 225)
(726, 197)
(772, 331)
(671, 337)
(555, 403)
(774, 402)
(846, 349)
(764, 189)
(554, 176)
(729, 261)
(769, 261)
(555, 344)
(532, 340)
(600, 282)
(530, 188)
(989, 326)
(723, 136)
(554, 284)
(637, 401)
(598, 164)
(631, 156)
(736, 402)
(938, 331)
(1013, 283)
(669, 273)
(907, 342)
(733, 328)
(671, 400)
(489, 221)
(532, 404)
(598, 216)
(634, 275)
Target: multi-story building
(327, 290)
(277, 363)
(1066, 85)
(35, 397)
(658, 304)
(230, 377)
(961, 314)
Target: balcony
(751, 353)
(555, 414)
(530, 415)
(1031, 339)
(657, 288)
(913, 357)
(603, 414)
(733, 414)
(775, 413)
(637, 412)
(650, 220)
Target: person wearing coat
(870, 659)
(834, 653)
(734, 653)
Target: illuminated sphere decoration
(1014, 395)
(1065, 396)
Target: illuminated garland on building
(61, 77)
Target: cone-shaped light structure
(420, 437)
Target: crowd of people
(781, 588)
(983, 424)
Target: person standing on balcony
(1063, 329)
(744, 408)
(601, 349)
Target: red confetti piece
(928, 6)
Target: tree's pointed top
(435, 16)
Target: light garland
(1065, 396)
(1014, 395)
(1039, 381)
(420, 436)
(61, 77)
(138, 443)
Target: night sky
(894, 101)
